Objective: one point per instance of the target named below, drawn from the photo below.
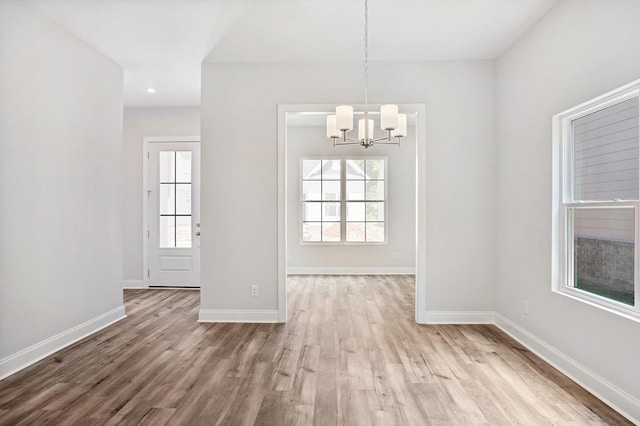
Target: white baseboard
(238, 315)
(16, 362)
(133, 284)
(458, 317)
(338, 270)
(616, 398)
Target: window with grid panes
(343, 200)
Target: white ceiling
(161, 43)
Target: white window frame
(343, 201)
(564, 205)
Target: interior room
(218, 235)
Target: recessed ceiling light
(151, 90)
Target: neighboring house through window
(343, 200)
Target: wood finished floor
(350, 354)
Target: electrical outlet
(394, 255)
(526, 307)
(255, 290)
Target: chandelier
(341, 123)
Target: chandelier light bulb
(401, 130)
(362, 135)
(388, 117)
(332, 129)
(344, 118)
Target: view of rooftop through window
(343, 200)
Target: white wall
(140, 123)
(305, 141)
(581, 49)
(61, 174)
(240, 171)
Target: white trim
(421, 214)
(145, 186)
(238, 315)
(616, 398)
(133, 284)
(16, 362)
(459, 317)
(349, 270)
(421, 205)
(282, 212)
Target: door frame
(420, 314)
(145, 201)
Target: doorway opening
(171, 212)
(291, 234)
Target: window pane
(331, 169)
(604, 252)
(311, 231)
(375, 169)
(375, 190)
(183, 231)
(355, 190)
(311, 212)
(183, 198)
(605, 153)
(355, 231)
(330, 212)
(183, 166)
(355, 169)
(167, 166)
(375, 232)
(355, 212)
(375, 212)
(331, 190)
(311, 190)
(167, 198)
(311, 169)
(331, 231)
(167, 231)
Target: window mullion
(343, 198)
(321, 200)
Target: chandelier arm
(383, 138)
(388, 143)
(346, 143)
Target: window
(343, 200)
(175, 199)
(597, 186)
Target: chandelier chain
(366, 66)
(366, 36)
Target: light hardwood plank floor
(351, 354)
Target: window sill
(342, 243)
(608, 305)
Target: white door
(173, 198)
